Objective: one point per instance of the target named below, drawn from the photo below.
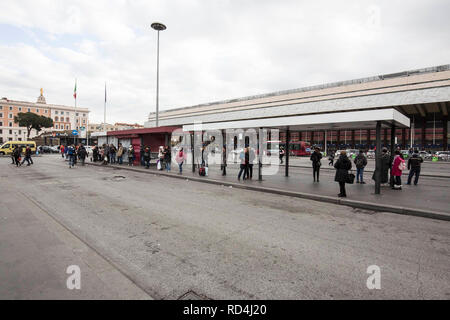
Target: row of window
(10, 124)
(67, 113)
(11, 132)
(27, 109)
(57, 119)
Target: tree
(33, 121)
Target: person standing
(247, 162)
(130, 155)
(315, 158)
(159, 166)
(242, 165)
(27, 156)
(147, 157)
(360, 162)
(384, 167)
(112, 153)
(180, 158)
(168, 158)
(281, 154)
(141, 155)
(224, 160)
(82, 153)
(120, 154)
(251, 159)
(414, 164)
(62, 150)
(397, 169)
(342, 165)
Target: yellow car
(8, 147)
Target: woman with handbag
(397, 169)
(342, 166)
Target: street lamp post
(158, 27)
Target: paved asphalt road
(171, 236)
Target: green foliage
(33, 121)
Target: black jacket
(342, 166)
(315, 158)
(362, 161)
(415, 161)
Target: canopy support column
(286, 167)
(193, 152)
(378, 159)
(260, 142)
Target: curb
(352, 203)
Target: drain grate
(192, 295)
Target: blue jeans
(120, 159)
(359, 174)
(168, 166)
(180, 165)
(71, 160)
(412, 172)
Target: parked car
(371, 154)
(352, 153)
(425, 155)
(443, 155)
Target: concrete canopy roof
(325, 121)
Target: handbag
(350, 179)
(158, 166)
(402, 166)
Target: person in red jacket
(398, 166)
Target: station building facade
(423, 95)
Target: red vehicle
(297, 148)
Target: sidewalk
(428, 199)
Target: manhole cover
(191, 295)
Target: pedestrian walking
(251, 160)
(130, 155)
(331, 158)
(316, 163)
(180, 158)
(27, 157)
(360, 162)
(342, 165)
(397, 169)
(71, 154)
(61, 149)
(17, 155)
(414, 164)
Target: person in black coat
(342, 166)
(315, 158)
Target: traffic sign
(74, 132)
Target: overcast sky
(212, 49)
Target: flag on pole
(75, 90)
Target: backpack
(359, 162)
(402, 166)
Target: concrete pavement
(172, 236)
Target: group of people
(16, 156)
(73, 153)
(247, 158)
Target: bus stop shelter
(369, 119)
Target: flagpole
(75, 96)
(104, 112)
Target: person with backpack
(147, 157)
(414, 164)
(71, 155)
(360, 162)
(342, 165)
(27, 156)
(398, 166)
(130, 155)
(180, 158)
(315, 158)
